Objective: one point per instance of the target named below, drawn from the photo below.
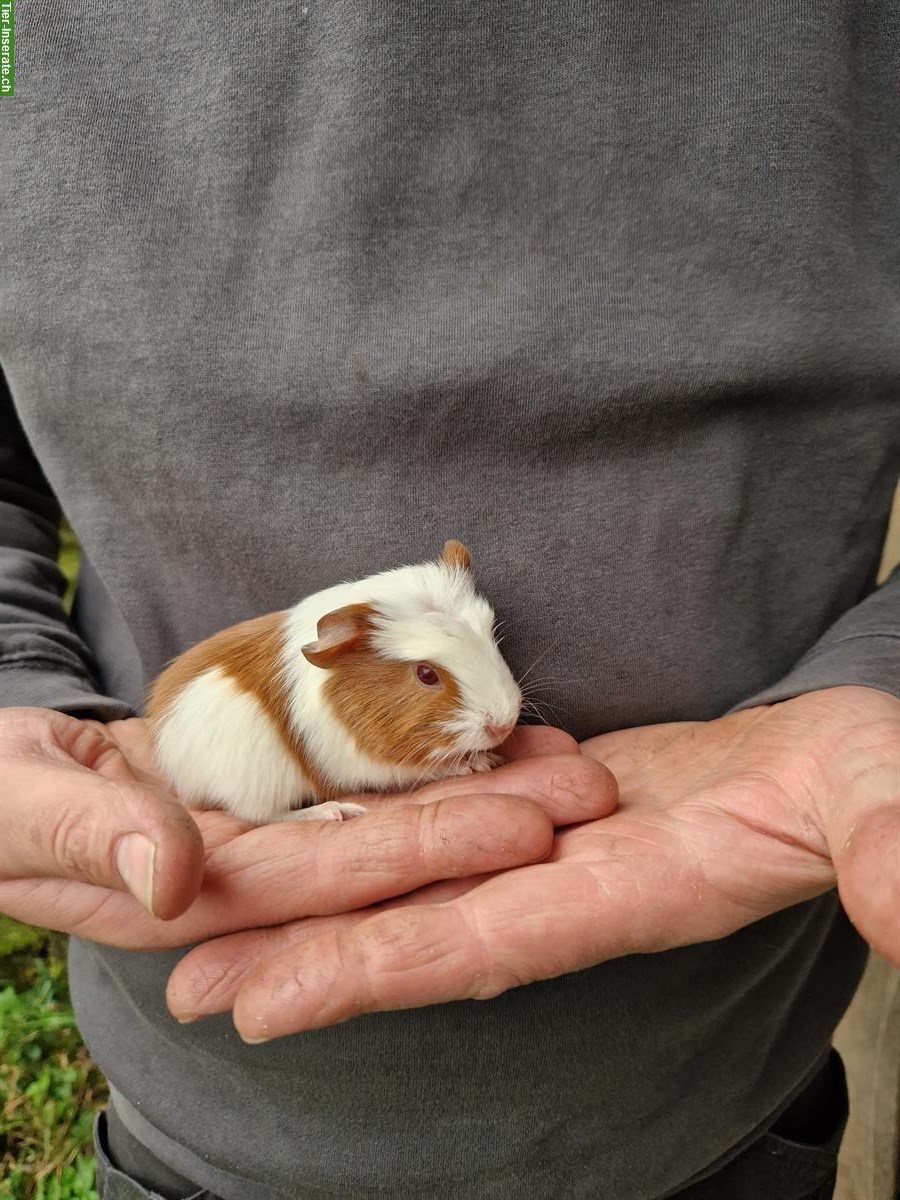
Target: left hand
(720, 823)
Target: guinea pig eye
(428, 675)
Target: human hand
(720, 823)
(75, 787)
(84, 816)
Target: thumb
(868, 874)
(59, 818)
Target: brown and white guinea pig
(376, 685)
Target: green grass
(49, 1088)
(68, 562)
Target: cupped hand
(720, 823)
(74, 790)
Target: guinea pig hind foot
(330, 810)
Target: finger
(522, 925)
(62, 818)
(207, 979)
(331, 867)
(568, 787)
(529, 741)
(102, 915)
(642, 885)
(273, 874)
(868, 875)
(399, 959)
(277, 873)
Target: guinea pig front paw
(486, 760)
(331, 810)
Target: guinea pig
(377, 685)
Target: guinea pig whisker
(416, 750)
(545, 681)
(557, 716)
(420, 779)
(535, 688)
(533, 712)
(543, 685)
(543, 654)
(532, 709)
(546, 705)
(545, 710)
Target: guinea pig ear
(337, 632)
(456, 555)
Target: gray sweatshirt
(611, 292)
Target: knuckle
(84, 741)
(499, 980)
(75, 842)
(490, 974)
(434, 830)
(31, 728)
(203, 983)
(459, 836)
(358, 854)
(383, 845)
(399, 942)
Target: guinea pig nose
(499, 732)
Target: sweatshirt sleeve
(862, 647)
(43, 662)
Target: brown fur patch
(455, 554)
(337, 632)
(393, 717)
(250, 654)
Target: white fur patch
(216, 745)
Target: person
(608, 292)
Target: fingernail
(135, 855)
(256, 1041)
(187, 1018)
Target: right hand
(73, 790)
